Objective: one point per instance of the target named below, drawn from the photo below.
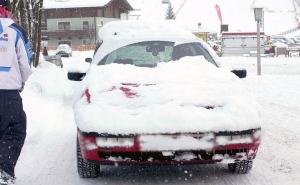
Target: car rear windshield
(149, 54)
(63, 47)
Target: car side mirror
(76, 76)
(241, 73)
(88, 60)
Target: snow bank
(189, 95)
(50, 81)
(47, 79)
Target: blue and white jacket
(15, 56)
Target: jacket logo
(4, 37)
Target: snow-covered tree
(29, 15)
(170, 12)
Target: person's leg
(12, 131)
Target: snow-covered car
(64, 50)
(155, 94)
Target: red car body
(134, 154)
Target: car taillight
(127, 91)
(87, 95)
(88, 142)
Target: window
(85, 42)
(100, 13)
(85, 25)
(64, 26)
(149, 53)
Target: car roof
(64, 45)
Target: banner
(219, 13)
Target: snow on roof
(52, 4)
(132, 29)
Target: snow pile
(50, 81)
(189, 95)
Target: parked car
(282, 39)
(64, 50)
(296, 40)
(155, 94)
(241, 43)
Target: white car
(64, 50)
(154, 94)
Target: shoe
(6, 179)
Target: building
(76, 22)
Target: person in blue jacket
(15, 58)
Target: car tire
(241, 167)
(85, 168)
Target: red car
(137, 109)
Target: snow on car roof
(133, 29)
(171, 98)
(52, 4)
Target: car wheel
(85, 168)
(241, 167)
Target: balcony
(69, 33)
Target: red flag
(219, 13)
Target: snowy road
(48, 157)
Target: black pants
(12, 129)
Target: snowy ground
(48, 156)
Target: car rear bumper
(227, 153)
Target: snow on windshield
(189, 95)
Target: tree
(29, 16)
(170, 12)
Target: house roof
(55, 4)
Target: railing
(70, 33)
(77, 47)
(67, 30)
